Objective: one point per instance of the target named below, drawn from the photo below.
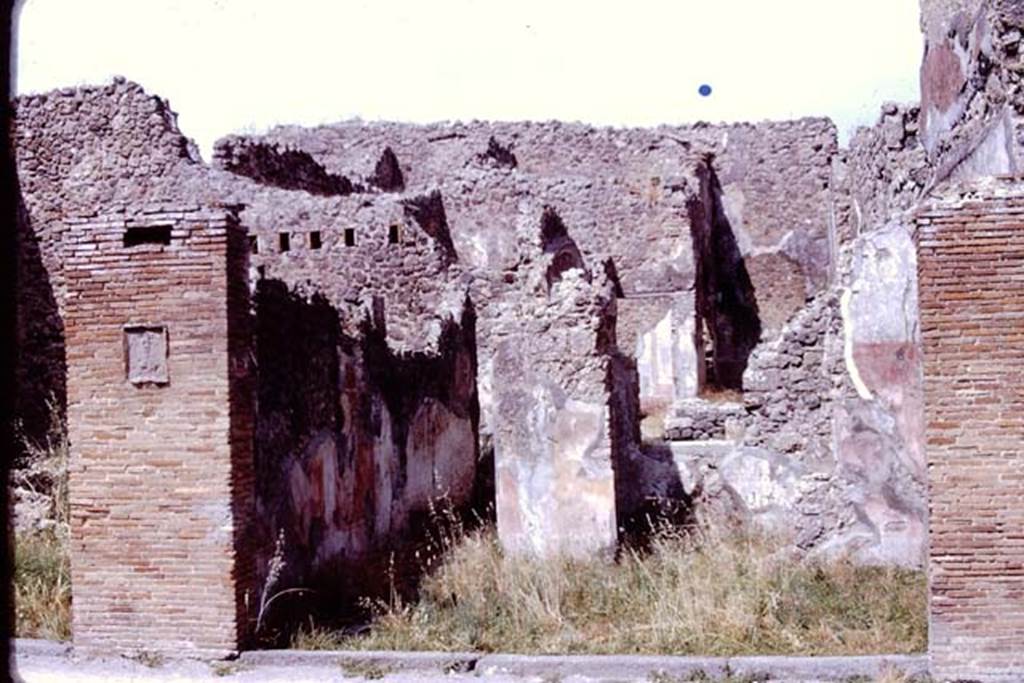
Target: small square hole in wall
(145, 349)
(350, 237)
(147, 234)
(394, 234)
(314, 240)
(284, 241)
(254, 244)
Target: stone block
(146, 354)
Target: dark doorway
(728, 324)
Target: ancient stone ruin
(306, 345)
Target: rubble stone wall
(614, 186)
(562, 421)
(343, 249)
(883, 172)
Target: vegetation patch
(366, 670)
(688, 594)
(149, 658)
(42, 586)
(42, 562)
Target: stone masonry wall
(971, 265)
(160, 423)
(788, 383)
(77, 149)
(562, 423)
(971, 97)
(882, 173)
(353, 252)
(634, 172)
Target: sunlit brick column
(971, 270)
(160, 423)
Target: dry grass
(42, 586)
(42, 565)
(722, 596)
(42, 469)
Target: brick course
(161, 472)
(971, 272)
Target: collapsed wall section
(971, 269)
(160, 420)
(288, 169)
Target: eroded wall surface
(560, 418)
(356, 444)
(970, 87)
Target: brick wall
(160, 426)
(971, 270)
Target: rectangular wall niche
(147, 234)
(145, 349)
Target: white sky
(233, 65)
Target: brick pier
(160, 425)
(971, 272)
